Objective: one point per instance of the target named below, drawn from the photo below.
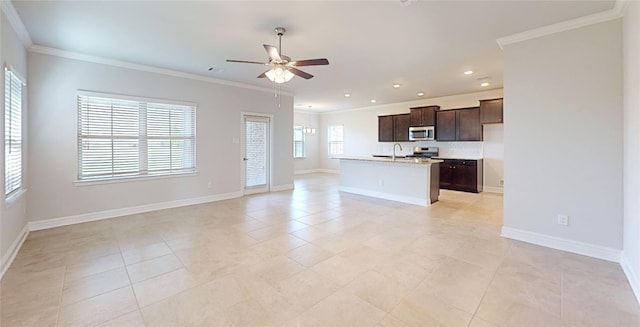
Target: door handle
(245, 159)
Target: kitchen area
(449, 170)
(461, 135)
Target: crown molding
(305, 111)
(145, 68)
(621, 6)
(603, 16)
(16, 23)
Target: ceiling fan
(282, 67)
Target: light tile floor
(309, 257)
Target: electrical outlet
(501, 182)
(563, 220)
(381, 182)
(209, 185)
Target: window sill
(299, 157)
(130, 179)
(13, 198)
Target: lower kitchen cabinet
(461, 175)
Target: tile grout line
(60, 298)
(126, 269)
(562, 297)
(489, 284)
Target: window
(298, 142)
(12, 132)
(336, 141)
(121, 137)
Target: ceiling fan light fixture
(279, 74)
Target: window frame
(11, 78)
(303, 142)
(331, 142)
(142, 138)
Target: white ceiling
(424, 46)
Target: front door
(257, 134)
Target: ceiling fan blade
(273, 52)
(263, 75)
(309, 62)
(300, 73)
(246, 62)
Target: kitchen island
(414, 181)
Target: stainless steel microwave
(423, 133)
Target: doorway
(256, 149)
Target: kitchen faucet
(394, 150)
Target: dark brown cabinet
(491, 111)
(458, 125)
(401, 127)
(385, 128)
(423, 116)
(461, 175)
(393, 128)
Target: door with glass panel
(256, 156)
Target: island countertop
(400, 160)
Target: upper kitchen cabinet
(423, 116)
(468, 127)
(458, 125)
(393, 128)
(446, 125)
(491, 111)
(401, 127)
(385, 128)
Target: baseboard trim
(632, 276)
(492, 189)
(93, 216)
(329, 171)
(558, 243)
(307, 171)
(285, 187)
(386, 196)
(8, 258)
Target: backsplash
(447, 149)
(459, 149)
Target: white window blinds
(298, 142)
(336, 140)
(119, 138)
(12, 132)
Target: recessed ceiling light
(373, 101)
(347, 95)
(396, 86)
(484, 84)
(420, 94)
(468, 72)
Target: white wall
(631, 54)
(54, 82)
(361, 133)
(563, 137)
(312, 142)
(12, 215)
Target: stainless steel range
(424, 152)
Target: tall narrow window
(336, 140)
(121, 137)
(12, 132)
(298, 142)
